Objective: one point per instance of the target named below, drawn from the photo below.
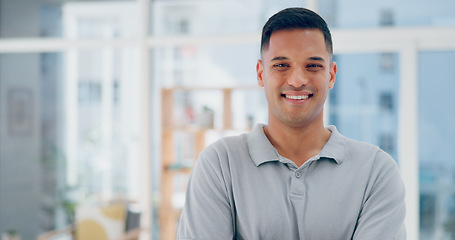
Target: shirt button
(298, 174)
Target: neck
(297, 143)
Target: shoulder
(379, 170)
(362, 155)
(364, 151)
(218, 160)
(223, 150)
(377, 164)
(226, 145)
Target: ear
(333, 73)
(259, 72)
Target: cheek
(270, 91)
(325, 81)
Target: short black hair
(295, 18)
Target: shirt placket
(297, 183)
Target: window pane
(214, 17)
(436, 145)
(361, 14)
(69, 19)
(206, 65)
(69, 133)
(364, 102)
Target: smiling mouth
(297, 97)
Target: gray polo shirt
(241, 188)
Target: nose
(297, 78)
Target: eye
(314, 67)
(281, 66)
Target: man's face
(296, 72)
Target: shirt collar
(334, 148)
(261, 150)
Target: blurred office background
(104, 101)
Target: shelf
(172, 164)
(179, 167)
(196, 129)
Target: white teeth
(297, 97)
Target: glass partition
(70, 128)
(208, 65)
(372, 14)
(364, 101)
(214, 17)
(436, 145)
(31, 150)
(68, 19)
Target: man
(293, 178)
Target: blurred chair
(114, 221)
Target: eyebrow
(278, 58)
(316, 59)
(285, 58)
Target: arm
(383, 212)
(207, 211)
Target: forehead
(296, 42)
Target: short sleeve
(207, 212)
